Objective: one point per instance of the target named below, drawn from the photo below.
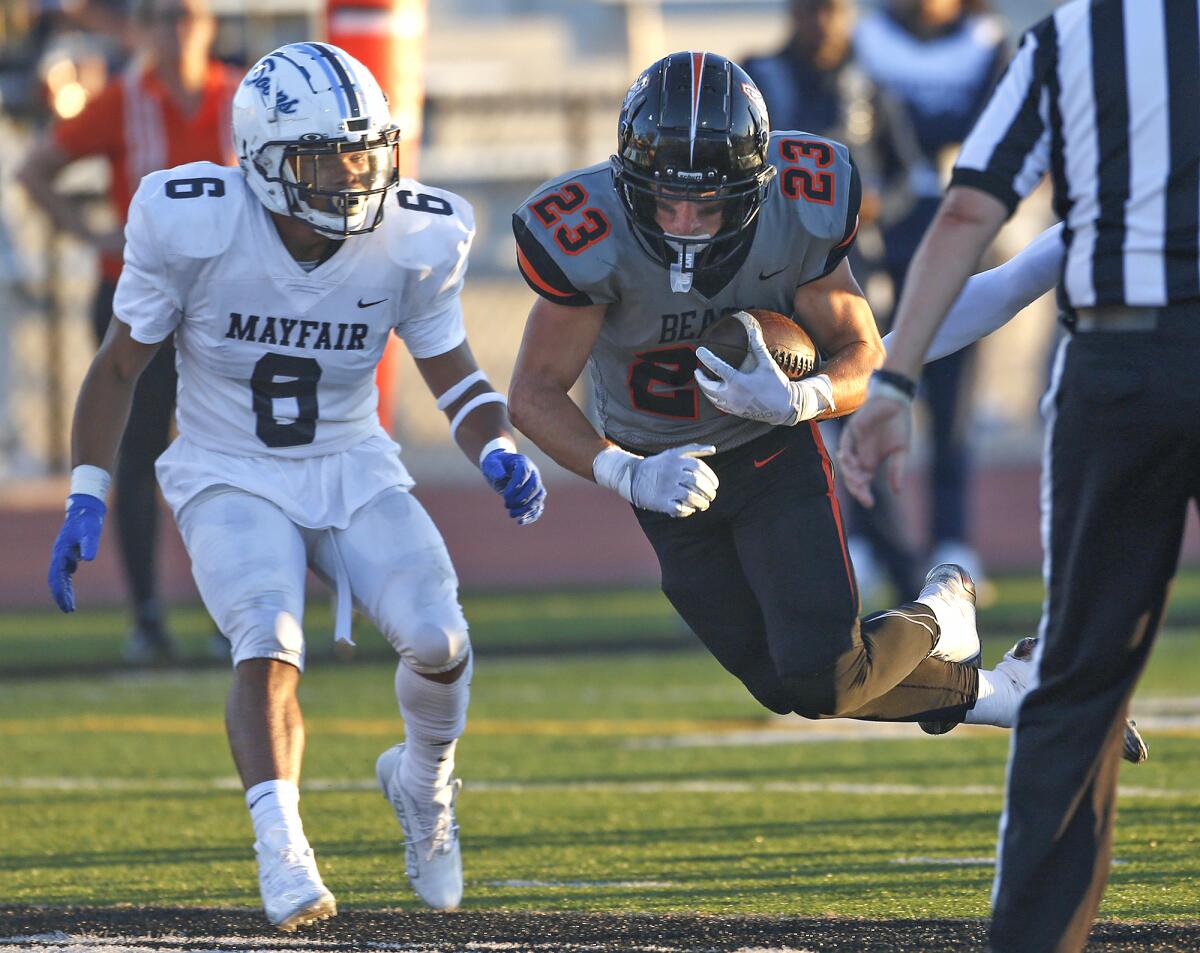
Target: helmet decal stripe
(697, 73)
(299, 67)
(338, 78)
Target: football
(788, 343)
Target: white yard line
(200, 785)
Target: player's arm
(842, 326)
(554, 350)
(557, 342)
(479, 425)
(839, 320)
(100, 415)
(964, 226)
(38, 173)
(992, 298)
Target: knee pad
(435, 643)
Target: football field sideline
(212, 930)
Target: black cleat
(1134, 750)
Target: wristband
(892, 385)
(613, 467)
(499, 443)
(449, 396)
(811, 397)
(491, 397)
(93, 481)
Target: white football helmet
(313, 134)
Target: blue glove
(514, 476)
(78, 539)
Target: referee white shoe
(949, 594)
(292, 892)
(432, 857)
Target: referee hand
(880, 431)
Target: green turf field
(596, 780)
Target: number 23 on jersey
(567, 200)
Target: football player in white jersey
(281, 281)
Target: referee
(1102, 95)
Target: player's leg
(703, 579)
(1118, 496)
(948, 387)
(877, 535)
(146, 437)
(249, 563)
(401, 576)
(790, 541)
(136, 492)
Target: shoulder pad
(569, 233)
(817, 183)
(427, 227)
(195, 208)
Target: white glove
(676, 482)
(763, 392)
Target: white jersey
(275, 362)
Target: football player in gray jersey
(704, 212)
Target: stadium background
(515, 91)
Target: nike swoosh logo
(762, 277)
(369, 304)
(763, 463)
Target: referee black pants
(764, 579)
(1123, 462)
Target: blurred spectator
(170, 106)
(813, 84)
(938, 60)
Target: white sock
(275, 812)
(997, 701)
(435, 715)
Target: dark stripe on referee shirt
(1111, 91)
(1026, 127)
(1048, 33)
(1182, 240)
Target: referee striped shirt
(1105, 96)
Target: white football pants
(249, 561)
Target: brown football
(788, 343)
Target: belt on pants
(1116, 317)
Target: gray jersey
(575, 247)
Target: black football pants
(1124, 462)
(136, 490)
(764, 579)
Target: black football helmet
(693, 127)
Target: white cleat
(292, 892)
(1018, 665)
(432, 857)
(949, 594)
